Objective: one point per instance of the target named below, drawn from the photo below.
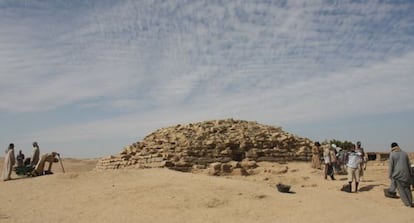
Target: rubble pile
(222, 145)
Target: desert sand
(83, 194)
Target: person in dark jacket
(400, 174)
(20, 159)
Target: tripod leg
(61, 164)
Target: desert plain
(84, 194)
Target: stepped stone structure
(222, 145)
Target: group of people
(353, 162)
(336, 159)
(35, 163)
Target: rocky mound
(223, 143)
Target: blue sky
(86, 78)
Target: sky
(87, 77)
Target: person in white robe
(9, 161)
(47, 157)
(35, 154)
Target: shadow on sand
(369, 187)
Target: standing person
(334, 161)
(400, 174)
(343, 159)
(328, 163)
(353, 167)
(364, 160)
(20, 159)
(35, 154)
(316, 154)
(9, 161)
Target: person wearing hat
(400, 174)
(9, 161)
(35, 154)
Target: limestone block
(248, 164)
(234, 164)
(211, 141)
(226, 151)
(239, 172)
(226, 168)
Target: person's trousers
(404, 190)
(393, 186)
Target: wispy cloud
(357, 92)
(166, 62)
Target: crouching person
(40, 166)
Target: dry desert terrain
(83, 194)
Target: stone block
(239, 172)
(226, 168)
(212, 141)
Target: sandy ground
(161, 195)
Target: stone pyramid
(197, 145)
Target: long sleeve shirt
(400, 167)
